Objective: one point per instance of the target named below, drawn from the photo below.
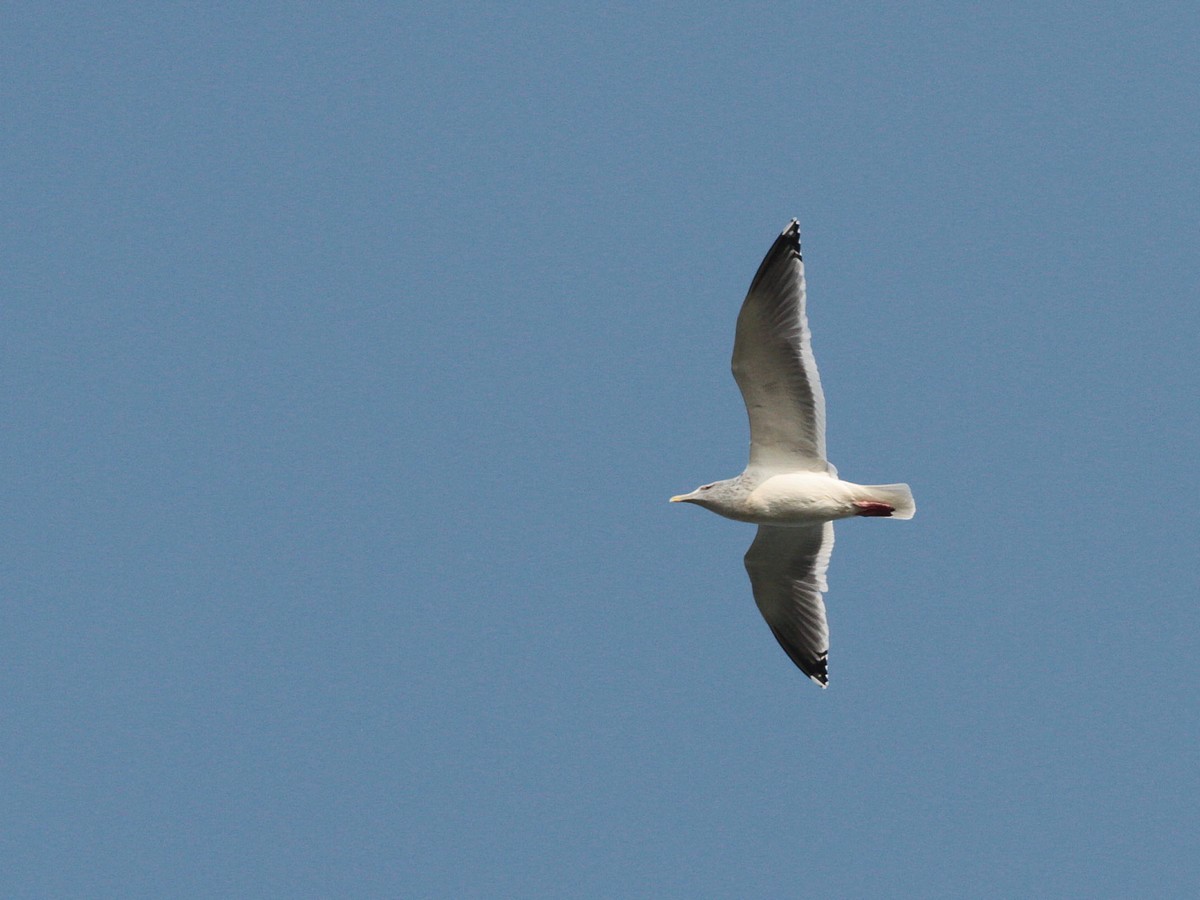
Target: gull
(789, 489)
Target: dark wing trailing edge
(787, 572)
(774, 367)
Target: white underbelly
(800, 498)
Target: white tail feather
(896, 495)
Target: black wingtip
(817, 669)
(786, 246)
(791, 234)
(820, 671)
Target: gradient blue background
(351, 353)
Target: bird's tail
(897, 496)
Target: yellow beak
(678, 498)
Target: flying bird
(789, 489)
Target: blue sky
(352, 351)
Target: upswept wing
(787, 572)
(774, 367)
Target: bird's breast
(799, 498)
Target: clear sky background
(350, 354)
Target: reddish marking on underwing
(874, 508)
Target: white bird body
(799, 498)
(789, 489)
(805, 498)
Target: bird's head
(713, 496)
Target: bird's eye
(706, 487)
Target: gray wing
(774, 367)
(787, 572)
